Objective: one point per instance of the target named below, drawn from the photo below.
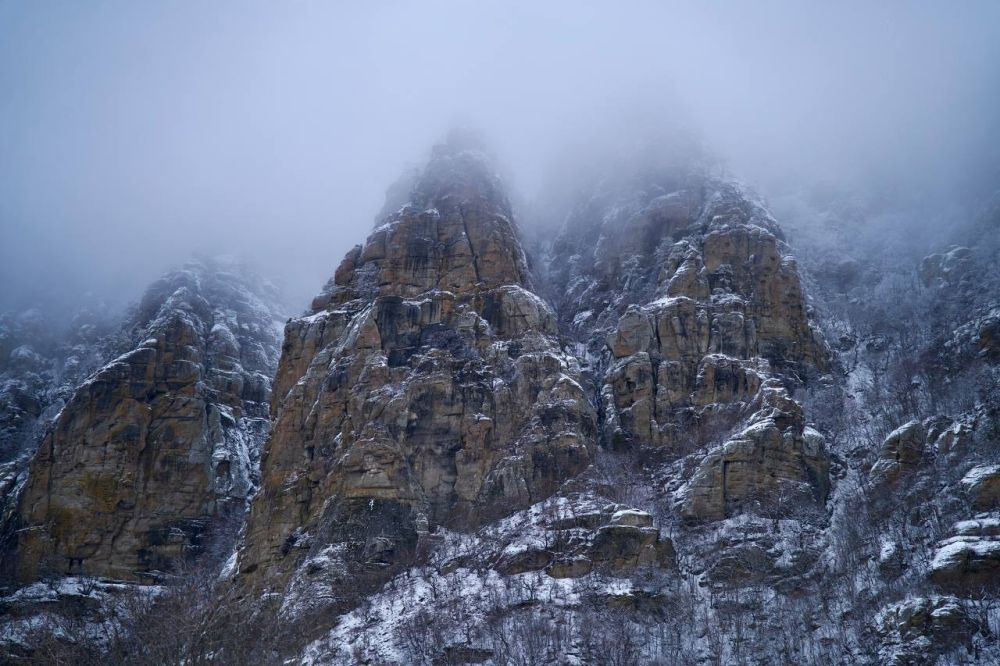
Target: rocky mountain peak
(428, 393)
(160, 441)
(454, 233)
(688, 335)
(650, 432)
(427, 388)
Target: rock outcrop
(969, 561)
(635, 448)
(426, 388)
(159, 441)
(42, 359)
(435, 417)
(982, 485)
(917, 630)
(776, 465)
(902, 452)
(429, 392)
(741, 492)
(946, 269)
(682, 290)
(609, 540)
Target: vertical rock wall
(427, 388)
(159, 441)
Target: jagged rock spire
(426, 387)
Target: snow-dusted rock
(902, 452)
(161, 439)
(428, 382)
(968, 561)
(946, 268)
(632, 518)
(774, 465)
(916, 630)
(982, 483)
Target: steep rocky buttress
(435, 416)
(427, 388)
(693, 313)
(159, 441)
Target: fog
(133, 134)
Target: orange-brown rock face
(697, 321)
(159, 441)
(426, 388)
(775, 463)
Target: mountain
(158, 442)
(653, 436)
(40, 363)
(42, 360)
(427, 389)
(655, 397)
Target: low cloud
(134, 134)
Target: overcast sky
(135, 133)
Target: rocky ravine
(160, 440)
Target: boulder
(902, 452)
(982, 485)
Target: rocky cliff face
(637, 448)
(426, 389)
(909, 303)
(753, 494)
(159, 441)
(693, 312)
(43, 359)
(434, 415)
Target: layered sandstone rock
(729, 308)
(695, 344)
(610, 541)
(569, 536)
(427, 388)
(429, 421)
(160, 440)
(43, 358)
